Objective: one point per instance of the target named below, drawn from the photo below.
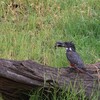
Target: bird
(73, 57)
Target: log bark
(18, 77)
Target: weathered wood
(17, 77)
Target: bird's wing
(74, 58)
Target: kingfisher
(73, 57)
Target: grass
(63, 95)
(30, 30)
(71, 93)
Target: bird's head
(70, 46)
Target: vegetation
(30, 28)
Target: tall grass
(30, 29)
(71, 93)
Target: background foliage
(30, 28)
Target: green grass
(69, 93)
(57, 94)
(31, 30)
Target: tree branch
(17, 77)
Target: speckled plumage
(74, 59)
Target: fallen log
(17, 77)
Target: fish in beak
(59, 44)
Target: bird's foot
(71, 70)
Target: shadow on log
(18, 77)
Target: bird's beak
(59, 44)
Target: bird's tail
(89, 74)
(83, 71)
